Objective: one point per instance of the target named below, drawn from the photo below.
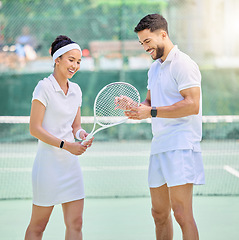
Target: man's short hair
(152, 22)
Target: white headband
(65, 49)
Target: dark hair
(152, 22)
(59, 42)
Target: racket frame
(92, 133)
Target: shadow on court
(124, 219)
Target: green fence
(219, 89)
(104, 29)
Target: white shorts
(175, 168)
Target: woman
(56, 120)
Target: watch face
(154, 112)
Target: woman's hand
(75, 148)
(89, 142)
(83, 135)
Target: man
(174, 102)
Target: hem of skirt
(178, 184)
(184, 183)
(58, 202)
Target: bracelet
(78, 133)
(62, 144)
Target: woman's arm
(77, 125)
(36, 130)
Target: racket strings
(105, 107)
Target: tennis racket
(110, 104)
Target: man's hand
(124, 103)
(139, 113)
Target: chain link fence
(104, 29)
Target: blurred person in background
(1, 36)
(26, 47)
(2, 54)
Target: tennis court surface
(124, 219)
(119, 169)
(117, 204)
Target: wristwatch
(154, 112)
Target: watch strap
(62, 144)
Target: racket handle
(87, 139)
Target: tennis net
(116, 164)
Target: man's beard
(159, 53)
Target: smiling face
(153, 42)
(69, 63)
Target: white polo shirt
(61, 109)
(165, 81)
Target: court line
(114, 168)
(103, 168)
(219, 153)
(15, 170)
(104, 154)
(92, 154)
(231, 170)
(123, 168)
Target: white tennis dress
(56, 175)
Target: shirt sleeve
(40, 93)
(186, 73)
